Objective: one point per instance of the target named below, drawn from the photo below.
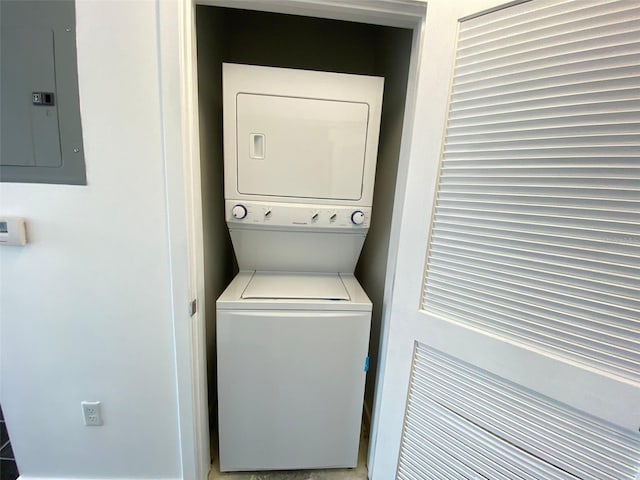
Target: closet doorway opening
(229, 35)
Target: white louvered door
(513, 347)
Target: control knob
(239, 212)
(357, 217)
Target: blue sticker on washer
(366, 364)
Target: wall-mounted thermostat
(12, 231)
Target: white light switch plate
(12, 231)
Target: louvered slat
(536, 231)
(462, 422)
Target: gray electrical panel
(41, 133)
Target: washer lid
(301, 286)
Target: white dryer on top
(300, 152)
(299, 136)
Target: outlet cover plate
(92, 413)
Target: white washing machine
(296, 347)
(293, 326)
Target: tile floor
(358, 473)
(8, 467)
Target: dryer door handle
(257, 145)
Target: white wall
(85, 309)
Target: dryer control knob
(239, 212)
(357, 217)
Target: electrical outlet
(92, 413)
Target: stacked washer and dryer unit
(293, 326)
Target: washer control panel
(296, 215)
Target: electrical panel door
(29, 130)
(40, 131)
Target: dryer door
(300, 147)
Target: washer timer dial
(239, 212)
(357, 217)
